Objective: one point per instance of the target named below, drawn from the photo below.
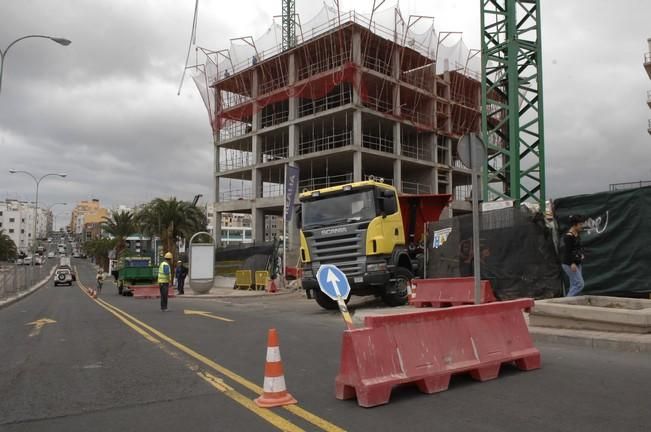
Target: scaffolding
(357, 96)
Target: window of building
(11, 230)
(22, 231)
(12, 220)
(22, 220)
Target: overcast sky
(105, 108)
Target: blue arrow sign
(333, 282)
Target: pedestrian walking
(100, 280)
(181, 272)
(573, 255)
(164, 276)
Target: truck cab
(360, 227)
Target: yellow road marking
(143, 333)
(267, 414)
(294, 409)
(38, 325)
(206, 315)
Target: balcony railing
(647, 58)
(415, 188)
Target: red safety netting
(315, 87)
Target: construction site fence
(517, 252)
(17, 279)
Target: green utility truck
(133, 271)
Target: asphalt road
(122, 364)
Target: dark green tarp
(616, 238)
(517, 252)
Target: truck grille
(346, 251)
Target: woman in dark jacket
(573, 256)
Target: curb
(28, 292)
(626, 342)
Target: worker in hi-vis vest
(164, 279)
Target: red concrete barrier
(149, 291)
(427, 347)
(448, 292)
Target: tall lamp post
(3, 54)
(38, 182)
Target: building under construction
(349, 100)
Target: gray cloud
(105, 110)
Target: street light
(38, 182)
(3, 54)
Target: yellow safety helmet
(168, 255)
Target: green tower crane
(289, 24)
(512, 101)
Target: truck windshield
(338, 209)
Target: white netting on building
(446, 49)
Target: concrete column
(256, 148)
(395, 63)
(357, 166)
(397, 174)
(256, 183)
(397, 139)
(358, 61)
(291, 79)
(293, 141)
(357, 128)
(254, 94)
(257, 225)
(217, 227)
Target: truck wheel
(400, 293)
(326, 302)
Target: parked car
(50, 254)
(27, 261)
(63, 276)
(19, 261)
(38, 260)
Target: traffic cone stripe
(275, 384)
(273, 369)
(273, 354)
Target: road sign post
(472, 152)
(334, 284)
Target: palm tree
(172, 220)
(8, 248)
(99, 249)
(121, 224)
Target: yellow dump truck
(370, 232)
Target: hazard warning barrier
(243, 280)
(261, 279)
(446, 292)
(427, 347)
(275, 391)
(149, 291)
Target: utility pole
(512, 101)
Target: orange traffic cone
(275, 392)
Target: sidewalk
(13, 299)
(223, 288)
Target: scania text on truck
(370, 232)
